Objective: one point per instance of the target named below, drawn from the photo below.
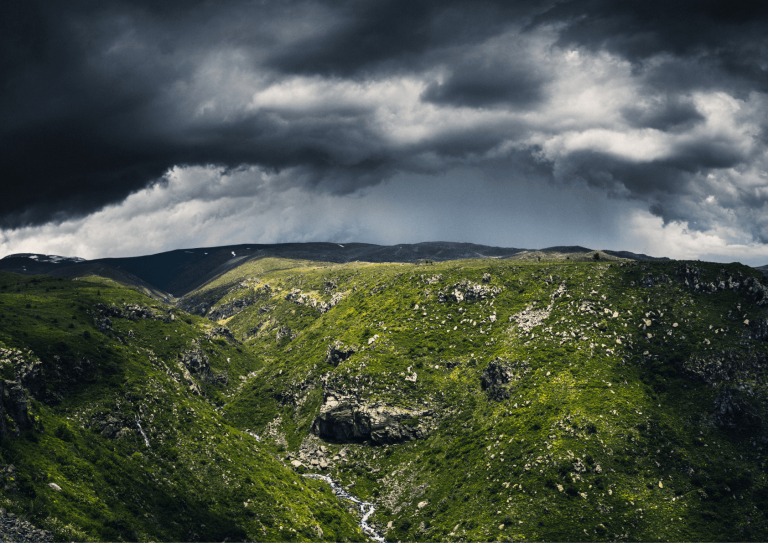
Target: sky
(132, 128)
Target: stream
(366, 508)
(138, 423)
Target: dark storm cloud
(664, 113)
(100, 100)
(490, 80)
(728, 35)
(391, 34)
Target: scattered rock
(231, 309)
(14, 529)
(221, 332)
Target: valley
(536, 395)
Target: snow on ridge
(55, 259)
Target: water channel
(366, 508)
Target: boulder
(345, 419)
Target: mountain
(175, 273)
(468, 400)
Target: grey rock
(221, 332)
(30, 373)
(495, 375)
(231, 309)
(499, 376)
(14, 529)
(197, 362)
(284, 331)
(345, 419)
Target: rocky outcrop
(12, 528)
(14, 409)
(302, 298)
(221, 332)
(131, 312)
(690, 275)
(27, 369)
(530, 317)
(198, 364)
(337, 353)
(467, 290)
(499, 376)
(650, 281)
(283, 332)
(494, 378)
(231, 309)
(345, 419)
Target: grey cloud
(100, 100)
(666, 113)
(501, 75)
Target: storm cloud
(658, 105)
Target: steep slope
(497, 399)
(111, 428)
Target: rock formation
(346, 419)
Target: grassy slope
(612, 396)
(198, 474)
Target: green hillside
(619, 402)
(471, 400)
(95, 359)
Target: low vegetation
(520, 399)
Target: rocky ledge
(346, 419)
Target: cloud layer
(114, 107)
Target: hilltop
(476, 399)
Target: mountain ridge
(177, 272)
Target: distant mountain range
(175, 273)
